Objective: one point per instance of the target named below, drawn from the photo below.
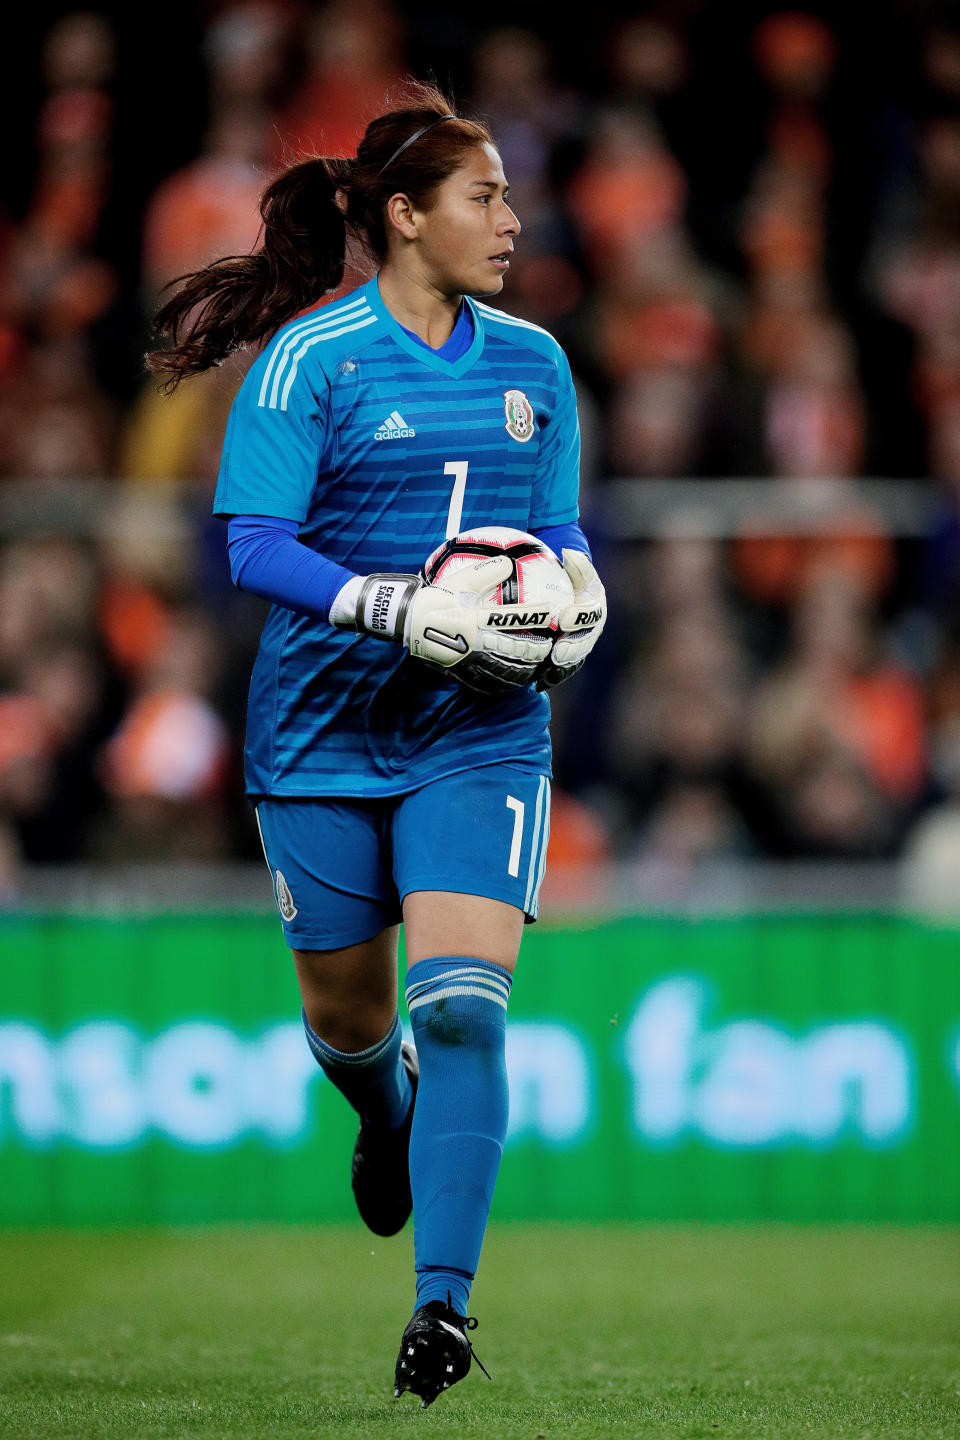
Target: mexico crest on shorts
(285, 902)
(519, 413)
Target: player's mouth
(501, 261)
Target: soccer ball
(537, 589)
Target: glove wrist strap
(383, 604)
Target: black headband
(415, 136)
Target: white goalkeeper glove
(580, 622)
(449, 624)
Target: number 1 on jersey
(458, 469)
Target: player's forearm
(267, 559)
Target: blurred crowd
(744, 227)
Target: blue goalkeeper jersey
(379, 449)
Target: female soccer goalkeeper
(397, 751)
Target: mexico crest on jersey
(519, 414)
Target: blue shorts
(341, 867)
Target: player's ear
(400, 214)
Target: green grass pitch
(652, 1331)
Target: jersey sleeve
(273, 454)
(564, 537)
(556, 485)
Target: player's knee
(457, 1020)
(348, 1030)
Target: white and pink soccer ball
(538, 581)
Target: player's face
(467, 234)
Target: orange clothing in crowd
(330, 116)
(579, 847)
(170, 746)
(614, 201)
(880, 717)
(774, 568)
(134, 621)
(209, 209)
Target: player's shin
(374, 1081)
(458, 1009)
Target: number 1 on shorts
(513, 866)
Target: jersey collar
(430, 358)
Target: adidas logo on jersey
(394, 428)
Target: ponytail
(307, 214)
(242, 298)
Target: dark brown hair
(306, 213)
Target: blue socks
(374, 1081)
(458, 1009)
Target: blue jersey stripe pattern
(354, 430)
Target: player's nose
(509, 224)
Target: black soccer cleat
(380, 1174)
(434, 1352)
